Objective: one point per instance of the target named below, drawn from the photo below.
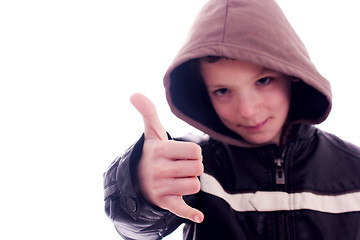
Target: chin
(260, 141)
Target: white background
(67, 70)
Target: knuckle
(195, 186)
(159, 148)
(194, 149)
(198, 169)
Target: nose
(247, 106)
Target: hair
(195, 64)
(213, 59)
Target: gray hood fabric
(255, 31)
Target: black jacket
(319, 197)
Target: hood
(250, 30)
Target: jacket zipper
(279, 170)
(280, 182)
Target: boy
(265, 172)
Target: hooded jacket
(307, 188)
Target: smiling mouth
(255, 127)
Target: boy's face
(250, 100)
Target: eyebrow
(263, 71)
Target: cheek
(281, 100)
(223, 110)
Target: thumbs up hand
(167, 169)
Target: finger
(177, 205)
(181, 150)
(179, 187)
(153, 127)
(179, 169)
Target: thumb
(153, 128)
(177, 206)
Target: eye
(221, 92)
(264, 81)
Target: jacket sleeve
(132, 215)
